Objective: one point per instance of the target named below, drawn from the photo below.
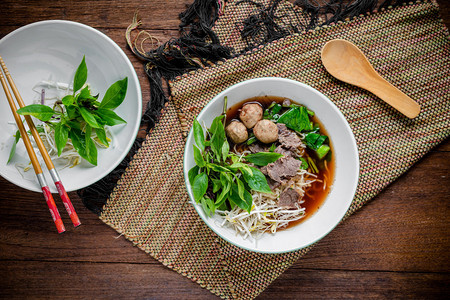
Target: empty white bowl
(345, 154)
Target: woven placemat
(408, 45)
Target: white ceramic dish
(53, 50)
(344, 151)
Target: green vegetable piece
(217, 184)
(200, 186)
(257, 181)
(68, 100)
(205, 206)
(272, 147)
(225, 150)
(101, 134)
(314, 140)
(80, 76)
(304, 165)
(263, 158)
(61, 136)
(218, 137)
(296, 119)
(198, 157)
(276, 108)
(217, 168)
(115, 94)
(78, 142)
(245, 202)
(110, 117)
(251, 140)
(312, 165)
(322, 151)
(13, 147)
(91, 149)
(199, 136)
(89, 117)
(39, 111)
(192, 173)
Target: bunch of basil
(220, 180)
(82, 115)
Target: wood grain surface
(396, 246)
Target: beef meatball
(237, 132)
(250, 114)
(266, 131)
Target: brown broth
(316, 194)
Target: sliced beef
(286, 152)
(288, 198)
(264, 170)
(272, 183)
(256, 148)
(284, 168)
(288, 138)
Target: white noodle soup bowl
(344, 150)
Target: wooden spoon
(346, 62)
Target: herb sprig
(78, 116)
(220, 180)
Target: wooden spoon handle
(394, 97)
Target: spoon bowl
(346, 62)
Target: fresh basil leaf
(241, 188)
(200, 186)
(217, 168)
(192, 173)
(217, 184)
(257, 181)
(225, 150)
(89, 117)
(245, 202)
(263, 158)
(39, 111)
(68, 100)
(13, 147)
(115, 94)
(85, 94)
(80, 76)
(296, 119)
(225, 180)
(199, 137)
(61, 136)
(198, 157)
(101, 134)
(218, 136)
(91, 151)
(78, 142)
(110, 117)
(205, 206)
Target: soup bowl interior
(345, 155)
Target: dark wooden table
(397, 246)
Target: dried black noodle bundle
(197, 47)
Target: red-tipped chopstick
(59, 185)
(36, 166)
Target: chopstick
(52, 170)
(34, 161)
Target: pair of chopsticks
(34, 161)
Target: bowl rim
(133, 74)
(337, 111)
